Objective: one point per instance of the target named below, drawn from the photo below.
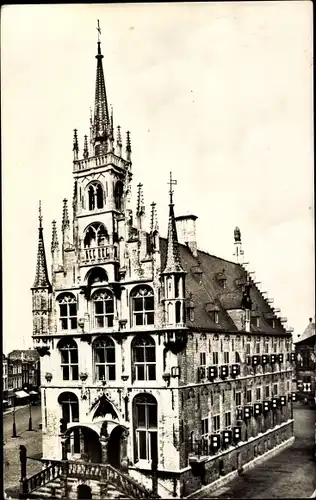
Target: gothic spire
(75, 145)
(85, 147)
(101, 121)
(65, 220)
(55, 243)
(128, 146)
(173, 261)
(119, 142)
(41, 275)
(153, 218)
(140, 209)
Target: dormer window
(221, 278)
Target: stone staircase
(53, 490)
(47, 483)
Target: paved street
(290, 474)
(31, 439)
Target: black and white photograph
(158, 250)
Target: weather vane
(40, 217)
(98, 30)
(171, 183)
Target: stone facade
(151, 350)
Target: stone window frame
(149, 431)
(107, 345)
(68, 303)
(105, 318)
(70, 361)
(144, 314)
(143, 361)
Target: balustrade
(103, 472)
(93, 255)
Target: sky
(219, 93)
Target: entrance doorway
(92, 447)
(114, 447)
(84, 492)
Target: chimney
(186, 230)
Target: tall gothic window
(96, 235)
(103, 304)
(144, 358)
(69, 359)
(104, 359)
(70, 413)
(118, 195)
(145, 427)
(67, 311)
(95, 196)
(143, 306)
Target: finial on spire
(98, 30)
(85, 148)
(75, 147)
(172, 182)
(238, 246)
(40, 217)
(55, 244)
(153, 218)
(65, 221)
(140, 209)
(128, 146)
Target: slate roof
(204, 282)
(308, 333)
(27, 354)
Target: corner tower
(173, 273)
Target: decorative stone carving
(48, 376)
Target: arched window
(103, 312)
(143, 306)
(178, 311)
(145, 427)
(118, 195)
(69, 406)
(69, 359)
(95, 196)
(144, 358)
(70, 413)
(67, 311)
(95, 235)
(104, 359)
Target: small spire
(65, 221)
(238, 246)
(128, 146)
(153, 218)
(55, 243)
(119, 142)
(140, 209)
(75, 145)
(41, 274)
(101, 120)
(85, 148)
(173, 261)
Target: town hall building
(162, 365)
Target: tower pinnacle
(173, 262)
(41, 274)
(101, 121)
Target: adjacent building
(154, 354)
(23, 373)
(5, 385)
(305, 351)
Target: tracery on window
(104, 359)
(103, 309)
(95, 196)
(67, 311)
(96, 235)
(144, 358)
(143, 306)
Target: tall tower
(101, 178)
(173, 273)
(41, 289)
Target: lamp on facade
(166, 377)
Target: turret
(173, 273)
(41, 289)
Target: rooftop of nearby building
(26, 354)
(308, 333)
